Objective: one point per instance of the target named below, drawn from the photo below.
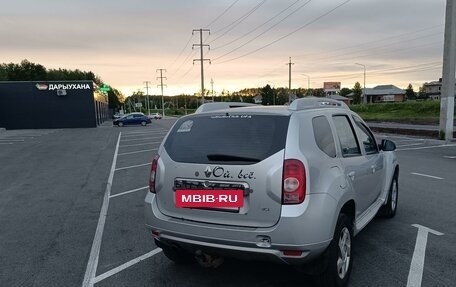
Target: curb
(410, 132)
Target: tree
(320, 92)
(410, 93)
(422, 93)
(115, 98)
(267, 95)
(345, 91)
(357, 91)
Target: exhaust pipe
(208, 260)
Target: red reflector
(155, 233)
(153, 174)
(292, 252)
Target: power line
(289, 34)
(182, 51)
(186, 60)
(375, 41)
(239, 21)
(264, 23)
(223, 13)
(328, 56)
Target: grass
(411, 111)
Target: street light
(308, 83)
(364, 89)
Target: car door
(356, 166)
(128, 120)
(374, 158)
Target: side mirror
(387, 145)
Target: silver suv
(289, 184)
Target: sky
(250, 41)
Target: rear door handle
(351, 175)
(373, 168)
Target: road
(51, 194)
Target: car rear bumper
(265, 244)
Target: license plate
(203, 198)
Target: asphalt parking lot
(71, 214)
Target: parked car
(155, 116)
(291, 185)
(132, 119)
(117, 115)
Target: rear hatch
(225, 152)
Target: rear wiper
(227, 157)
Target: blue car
(132, 119)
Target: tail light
(153, 174)
(294, 182)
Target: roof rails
(209, 107)
(314, 102)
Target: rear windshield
(227, 139)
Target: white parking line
(426, 175)
(450, 156)
(427, 147)
(125, 266)
(11, 140)
(139, 144)
(129, 191)
(129, 140)
(92, 264)
(409, 144)
(138, 151)
(416, 266)
(133, 166)
(6, 143)
(145, 132)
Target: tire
(121, 124)
(143, 123)
(389, 209)
(338, 257)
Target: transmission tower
(161, 86)
(201, 59)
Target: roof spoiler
(314, 102)
(209, 107)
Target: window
(365, 137)
(347, 139)
(227, 139)
(323, 136)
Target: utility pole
(161, 85)
(364, 89)
(147, 96)
(201, 59)
(212, 87)
(289, 80)
(448, 73)
(308, 83)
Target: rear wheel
(120, 124)
(389, 210)
(143, 123)
(338, 256)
